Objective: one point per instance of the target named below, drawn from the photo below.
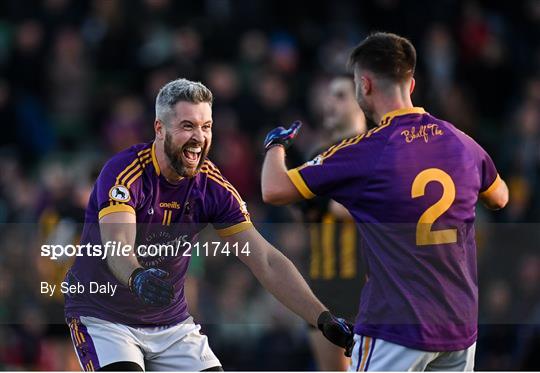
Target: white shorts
(379, 355)
(178, 348)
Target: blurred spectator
(127, 125)
(69, 86)
(523, 157)
(439, 58)
(187, 52)
(233, 152)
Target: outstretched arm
(278, 275)
(281, 278)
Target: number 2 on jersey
(424, 234)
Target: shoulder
(375, 137)
(466, 140)
(210, 171)
(209, 167)
(129, 164)
(135, 153)
(462, 142)
(216, 182)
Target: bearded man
(164, 193)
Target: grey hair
(180, 90)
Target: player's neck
(165, 169)
(390, 102)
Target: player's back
(411, 185)
(422, 164)
(416, 212)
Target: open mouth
(192, 155)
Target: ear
(366, 84)
(413, 83)
(159, 129)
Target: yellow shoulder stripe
(208, 163)
(226, 185)
(324, 154)
(140, 155)
(345, 143)
(213, 168)
(127, 176)
(135, 173)
(385, 122)
(352, 141)
(215, 172)
(134, 170)
(377, 129)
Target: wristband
(132, 277)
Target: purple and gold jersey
(411, 185)
(131, 181)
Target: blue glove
(148, 286)
(282, 136)
(337, 331)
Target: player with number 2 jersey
(412, 185)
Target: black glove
(282, 136)
(149, 287)
(337, 331)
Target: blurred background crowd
(77, 84)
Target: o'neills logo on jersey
(170, 205)
(119, 193)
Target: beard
(174, 156)
(367, 109)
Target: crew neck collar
(387, 118)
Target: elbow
(273, 197)
(502, 202)
(279, 192)
(268, 198)
(498, 203)
(497, 199)
(504, 196)
(273, 194)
